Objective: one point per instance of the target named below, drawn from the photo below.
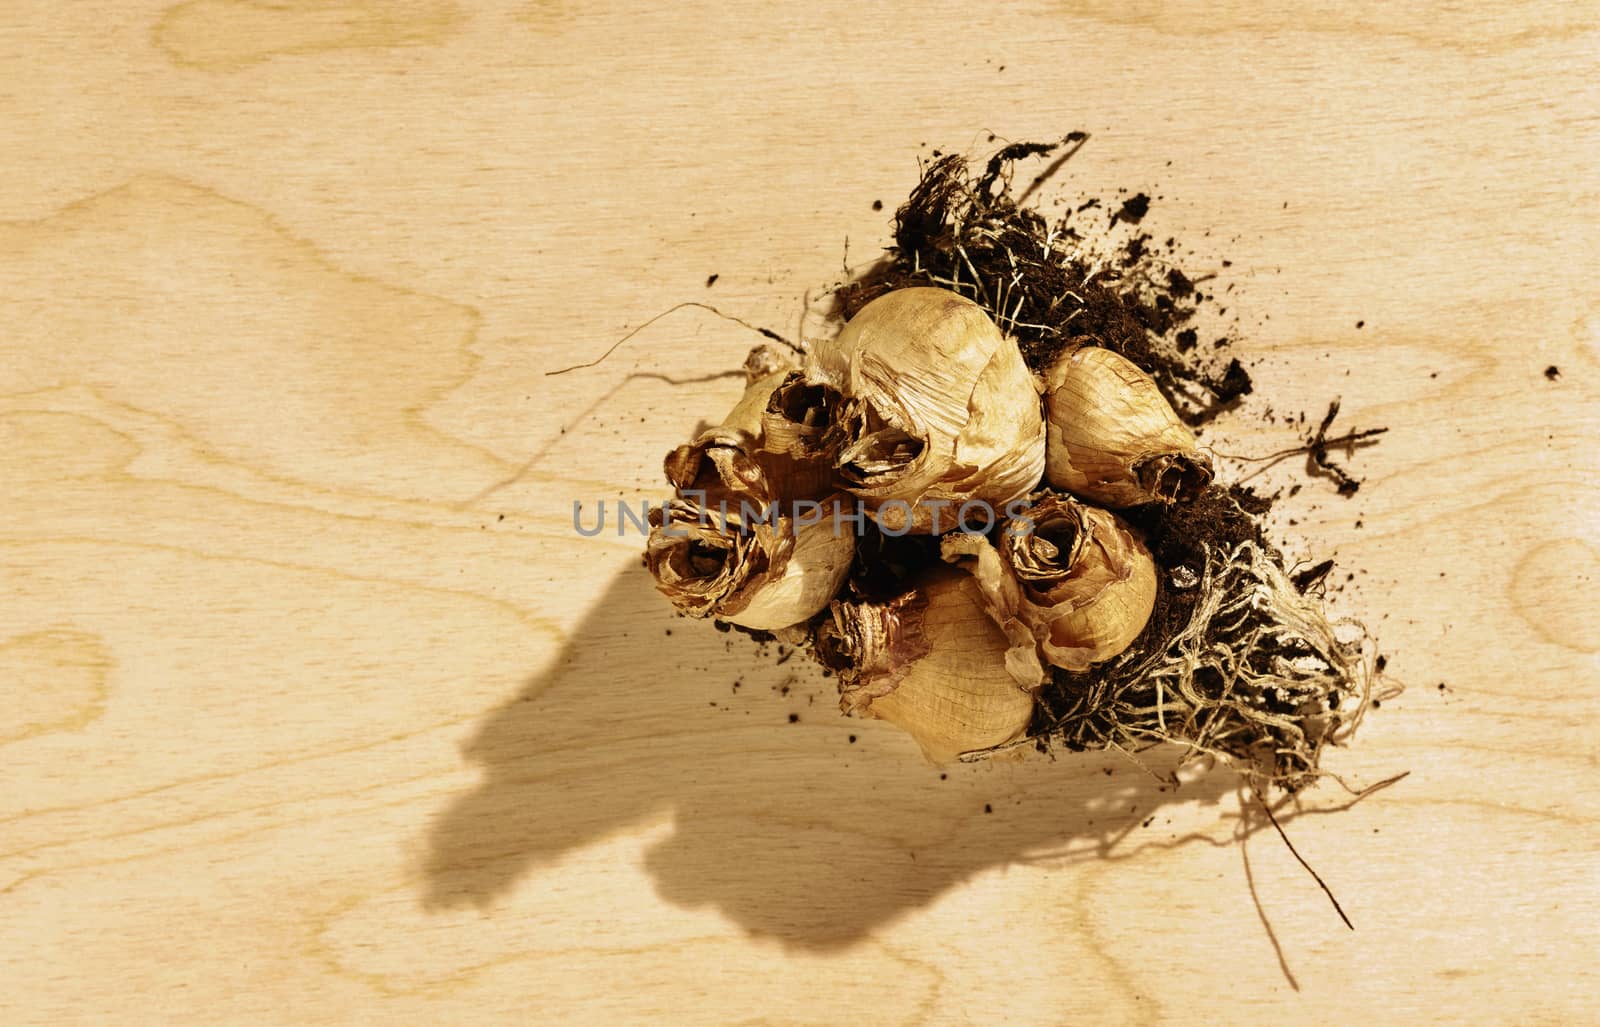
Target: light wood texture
(313, 708)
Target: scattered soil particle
(1133, 210)
(1312, 576)
(1552, 372)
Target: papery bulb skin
(937, 409)
(1113, 438)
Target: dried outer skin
(1113, 437)
(680, 533)
(931, 663)
(728, 462)
(765, 360)
(939, 407)
(817, 564)
(801, 420)
(1071, 607)
(760, 575)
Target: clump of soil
(1237, 661)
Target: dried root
(1256, 675)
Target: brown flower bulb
(930, 662)
(938, 409)
(1069, 584)
(1113, 438)
(763, 574)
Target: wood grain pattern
(316, 709)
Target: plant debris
(1319, 444)
(1316, 447)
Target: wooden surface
(315, 709)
